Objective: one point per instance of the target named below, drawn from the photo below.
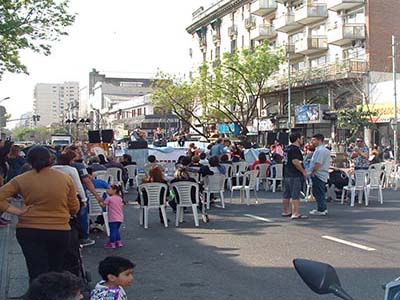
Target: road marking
(259, 218)
(362, 247)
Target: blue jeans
(115, 235)
(83, 219)
(319, 190)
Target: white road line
(362, 247)
(258, 218)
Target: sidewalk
(13, 273)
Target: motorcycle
(322, 279)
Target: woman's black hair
(262, 157)
(213, 161)
(102, 159)
(39, 158)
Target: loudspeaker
(271, 137)
(94, 136)
(283, 138)
(107, 136)
(141, 144)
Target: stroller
(338, 179)
(73, 261)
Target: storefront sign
(308, 114)
(385, 112)
(266, 125)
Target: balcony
(308, 14)
(232, 31)
(286, 23)
(338, 5)
(263, 7)
(262, 32)
(346, 33)
(250, 23)
(350, 68)
(311, 45)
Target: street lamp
(394, 123)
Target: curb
(4, 249)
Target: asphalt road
(247, 252)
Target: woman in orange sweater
(49, 200)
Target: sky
(118, 37)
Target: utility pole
(289, 93)
(395, 142)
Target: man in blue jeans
(319, 172)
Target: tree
(30, 24)
(181, 97)
(235, 85)
(355, 119)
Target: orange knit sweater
(52, 195)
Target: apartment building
(336, 50)
(52, 100)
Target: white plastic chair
(359, 186)
(389, 174)
(238, 169)
(214, 184)
(374, 183)
(103, 175)
(131, 170)
(275, 174)
(249, 184)
(115, 176)
(96, 210)
(397, 178)
(228, 175)
(262, 175)
(155, 199)
(184, 191)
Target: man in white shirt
(319, 172)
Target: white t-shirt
(73, 173)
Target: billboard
(308, 114)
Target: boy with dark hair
(117, 273)
(60, 286)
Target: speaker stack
(97, 136)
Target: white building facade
(325, 43)
(53, 102)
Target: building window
(242, 41)
(298, 66)
(139, 112)
(211, 55)
(317, 62)
(233, 46)
(217, 53)
(354, 52)
(252, 44)
(319, 30)
(357, 17)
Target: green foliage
(30, 24)
(183, 98)
(355, 119)
(235, 84)
(38, 135)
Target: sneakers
(315, 212)
(110, 246)
(86, 242)
(205, 218)
(118, 244)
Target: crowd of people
(54, 188)
(53, 219)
